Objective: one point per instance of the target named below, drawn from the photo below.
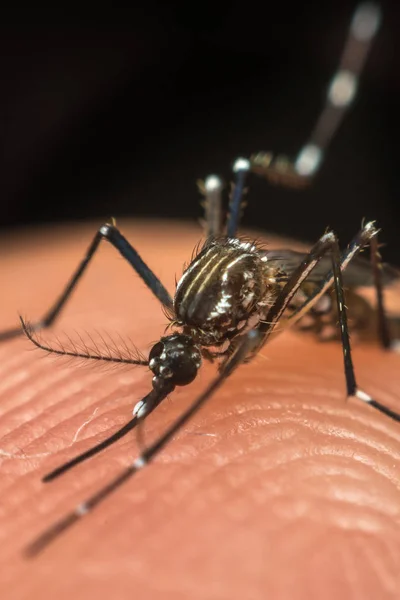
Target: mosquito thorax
(175, 360)
(224, 285)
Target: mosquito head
(175, 359)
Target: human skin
(278, 488)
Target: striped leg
(341, 93)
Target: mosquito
(231, 297)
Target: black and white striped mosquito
(233, 294)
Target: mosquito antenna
(250, 340)
(29, 332)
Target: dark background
(121, 114)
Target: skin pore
(278, 488)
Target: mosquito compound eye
(156, 351)
(175, 359)
(185, 368)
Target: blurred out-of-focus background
(115, 113)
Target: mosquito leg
(367, 236)
(341, 93)
(110, 233)
(240, 170)
(383, 325)
(328, 244)
(54, 531)
(211, 189)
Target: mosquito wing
(357, 274)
